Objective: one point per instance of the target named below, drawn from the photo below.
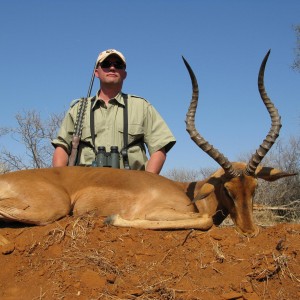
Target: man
(145, 125)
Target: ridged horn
(196, 137)
(273, 134)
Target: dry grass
(217, 250)
(76, 253)
(75, 237)
(265, 267)
(262, 216)
(76, 231)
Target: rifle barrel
(92, 81)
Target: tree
(188, 175)
(296, 64)
(35, 135)
(285, 193)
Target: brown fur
(141, 199)
(130, 198)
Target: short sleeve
(157, 133)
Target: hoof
(110, 220)
(6, 247)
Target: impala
(141, 199)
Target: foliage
(34, 135)
(285, 193)
(296, 63)
(187, 175)
(282, 197)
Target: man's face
(111, 71)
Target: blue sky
(48, 49)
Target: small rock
(92, 279)
(7, 248)
(111, 278)
(216, 236)
(248, 288)
(251, 296)
(232, 296)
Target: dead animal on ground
(141, 199)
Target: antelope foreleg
(201, 223)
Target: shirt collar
(119, 98)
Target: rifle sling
(92, 125)
(124, 152)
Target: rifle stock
(74, 152)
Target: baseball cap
(104, 54)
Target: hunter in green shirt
(145, 125)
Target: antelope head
(231, 189)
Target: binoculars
(107, 159)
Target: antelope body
(141, 199)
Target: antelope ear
(205, 191)
(271, 174)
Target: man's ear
(96, 72)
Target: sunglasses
(117, 65)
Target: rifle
(79, 123)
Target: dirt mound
(83, 259)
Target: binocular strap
(125, 131)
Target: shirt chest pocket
(135, 132)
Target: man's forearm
(156, 161)
(60, 157)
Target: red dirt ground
(80, 258)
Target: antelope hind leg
(35, 211)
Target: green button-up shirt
(143, 122)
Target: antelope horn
(273, 134)
(196, 137)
